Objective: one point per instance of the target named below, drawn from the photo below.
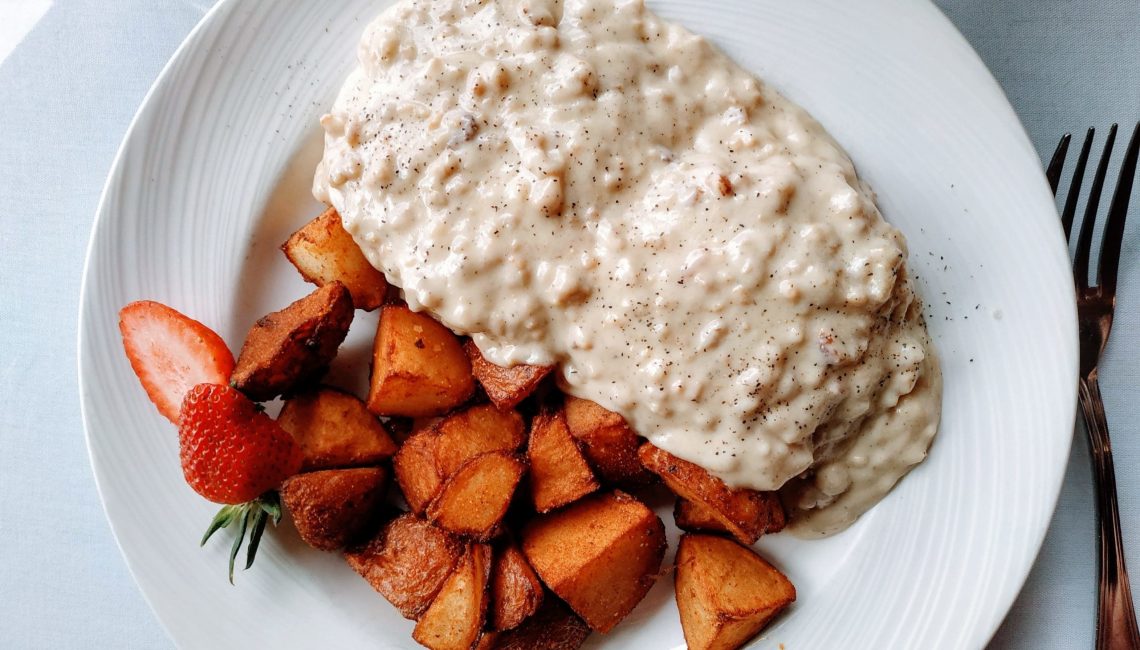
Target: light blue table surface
(68, 91)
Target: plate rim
(113, 173)
(208, 20)
(1038, 538)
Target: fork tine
(1074, 193)
(1084, 240)
(1117, 211)
(1057, 164)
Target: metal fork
(1116, 627)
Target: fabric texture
(72, 75)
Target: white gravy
(581, 183)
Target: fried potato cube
(418, 366)
(407, 562)
(516, 592)
(559, 473)
(292, 346)
(454, 621)
(430, 456)
(475, 498)
(506, 387)
(553, 627)
(746, 514)
(333, 507)
(324, 252)
(695, 517)
(607, 441)
(335, 429)
(726, 593)
(600, 555)
(416, 471)
(476, 430)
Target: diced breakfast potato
(553, 627)
(335, 429)
(430, 456)
(288, 348)
(324, 252)
(333, 507)
(600, 555)
(476, 430)
(696, 518)
(516, 592)
(726, 593)
(506, 387)
(746, 514)
(474, 499)
(454, 621)
(607, 441)
(416, 471)
(407, 562)
(559, 473)
(418, 366)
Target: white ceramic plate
(215, 171)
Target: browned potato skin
(553, 627)
(746, 514)
(407, 562)
(292, 346)
(331, 508)
(607, 441)
(324, 252)
(335, 429)
(454, 621)
(726, 593)
(600, 555)
(475, 498)
(430, 456)
(505, 387)
(419, 368)
(516, 593)
(696, 518)
(559, 473)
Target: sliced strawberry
(171, 353)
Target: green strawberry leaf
(245, 515)
(259, 520)
(224, 518)
(252, 516)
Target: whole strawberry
(235, 454)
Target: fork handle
(1116, 617)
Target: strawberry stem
(270, 502)
(250, 516)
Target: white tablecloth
(72, 73)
